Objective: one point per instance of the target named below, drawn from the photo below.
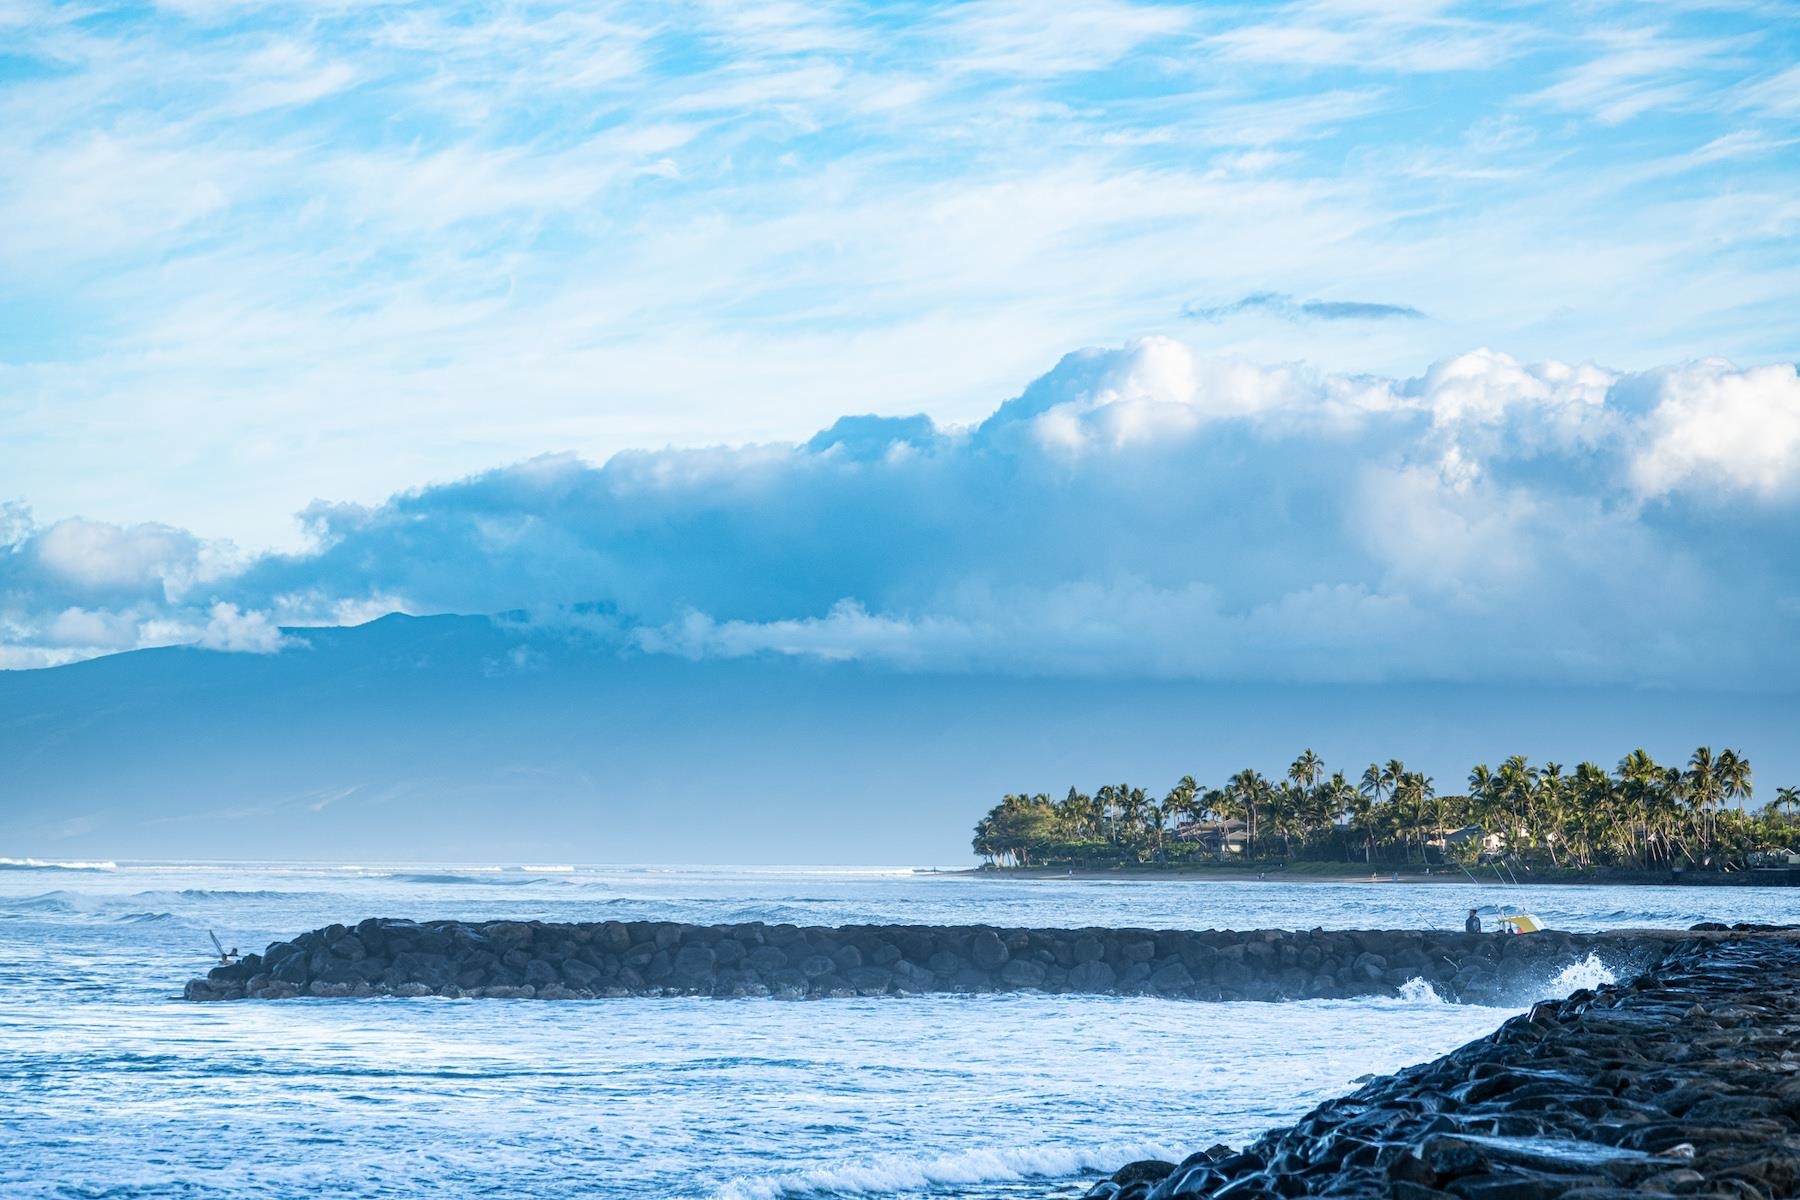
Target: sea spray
(1418, 991)
(1589, 973)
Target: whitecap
(1589, 973)
(885, 1174)
(1418, 991)
(43, 864)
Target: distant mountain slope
(452, 737)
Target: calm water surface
(111, 1087)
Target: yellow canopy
(1520, 923)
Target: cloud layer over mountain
(1135, 511)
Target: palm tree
(1645, 813)
(1321, 809)
(1431, 810)
(1550, 806)
(1306, 770)
(1393, 771)
(1130, 804)
(1183, 801)
(1598, 799)
(1375, 782)
(1640, 779)
(1159, 814)
(1734, 777)
(1516, 786)
(1413, 794)
(1703, 792)
(1103, 801)
(1364, 820)
(1249, 791)
(1227, 804)
(1287, 807)
(1787, 801)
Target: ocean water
(110, 1086)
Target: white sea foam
(50, 864)
(1589, 973)
(889, 1173)
(1417, 991)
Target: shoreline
(1674, 1082)
(1346, 873)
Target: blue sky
(1499, 296)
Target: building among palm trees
(1215, 837)
(1448, 842)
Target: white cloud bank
(1137, 511)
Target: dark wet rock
(1145, 1170)
(1020, 973)
(1092, 977)
(765, 958)
(1680, 1081)
(694, 964)
(1172, 977)
(987, 950)
(620, 958)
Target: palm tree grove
(1641, 816)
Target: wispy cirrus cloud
(258, 257)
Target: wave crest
(1418, 991)
(1589, 973)
(43, 864)
(886, 1173)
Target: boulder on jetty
(1684, 1081)
(533, 959)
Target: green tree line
(1641, 814)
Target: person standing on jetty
(1473, 924)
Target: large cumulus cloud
(1136, 510)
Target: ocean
(110, 1086)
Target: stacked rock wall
(643, 958)
(1679, 1082)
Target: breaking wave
(39, 864)
(485, 880)
(53, 902)
(884, 1174)
(1417, 991)
(1589, 973)
(225, 894)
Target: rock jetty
(518, 959)
(1683, 1081)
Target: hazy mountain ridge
(461, 737)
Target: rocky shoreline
(1682, 1081)
(531, 959)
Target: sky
(1323, 342)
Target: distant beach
(1341, 873)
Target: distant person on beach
(1473, 924)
